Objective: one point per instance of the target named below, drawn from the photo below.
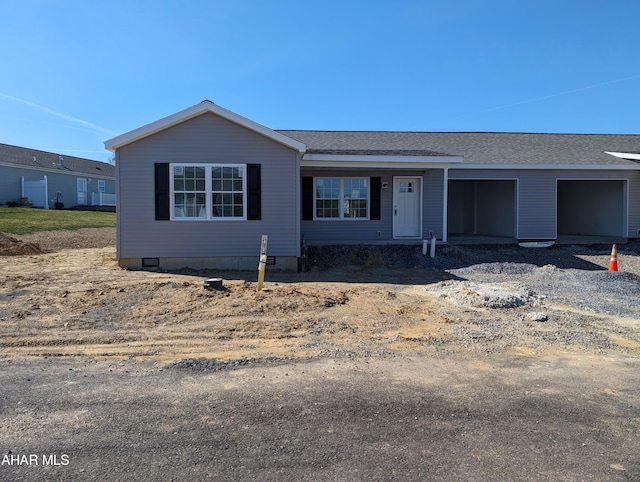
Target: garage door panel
(482, 207)
(591, 208)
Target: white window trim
(341, 199)
(208, 191)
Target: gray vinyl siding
(367, 230)
(206, 139)
(10, 184)
(433, 203)
(634, 204)
(68, 186)
(536, 195)
(351, 230)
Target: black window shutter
(374, 210)
(162, 191)
(254, 192)
(307, 198)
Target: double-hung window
(189, 192)
(341, 198)
(208, 191)
(228, 191)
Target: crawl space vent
(150, 262)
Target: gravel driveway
(400, 418)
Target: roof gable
(194, 111)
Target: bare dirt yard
(485, 363)
(67, 296)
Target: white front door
(407, 207)
(82, 191)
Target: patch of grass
(27, 220)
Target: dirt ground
(492, 363)
(79, 302)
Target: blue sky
(76, 73)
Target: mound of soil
(368, 256)
(83, 238)
(14, 247)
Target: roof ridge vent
(207, 100)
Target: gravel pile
(508, 276)
(485, 295)
(615, 293)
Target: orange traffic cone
(613, 264)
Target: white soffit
(194, 111)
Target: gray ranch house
(200, 187)
(45, 178)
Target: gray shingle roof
(22, 156)
(478, 147)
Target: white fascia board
(625, 155)
(382, 162)
(553, 167)
(194, 111)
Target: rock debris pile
(484, 295)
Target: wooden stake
(263, 261)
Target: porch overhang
(359, 161)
